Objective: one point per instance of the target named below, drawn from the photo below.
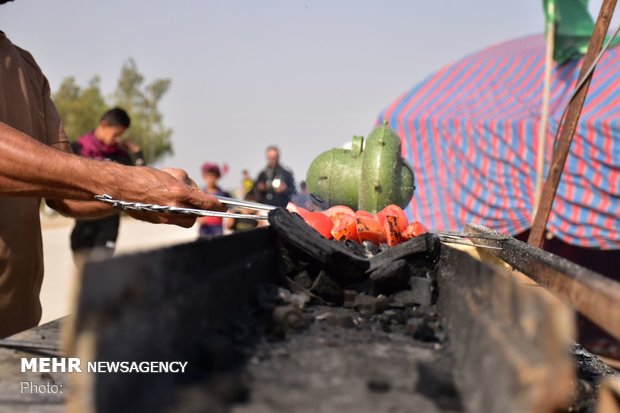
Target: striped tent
(470, 132)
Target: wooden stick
(544, 114)
(569, 126)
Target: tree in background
(81, 108)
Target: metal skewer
(454, 241)
(460, 235)
(138, 206)
(244, 204)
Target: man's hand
(171, 187)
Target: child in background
(211, 226)
(96, 238)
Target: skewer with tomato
(390, 225)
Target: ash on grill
(356, 328)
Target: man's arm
(78, 209)
(29, 168)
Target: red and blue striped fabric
(470, 132)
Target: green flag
(573, 28)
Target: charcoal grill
(494, 344)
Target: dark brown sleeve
(56, 135)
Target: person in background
(247, 183)
(94, 239)
(303, 198)
(36, 162)
(211, 226)
(275, 183)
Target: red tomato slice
(396, 211)
(343, 218)
(392, 231)
(338, 211)
(291, 207)
(320, 222)
(345, 229)
(413, 230)
(369, 228)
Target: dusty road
(57, 292)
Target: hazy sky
(304, 75)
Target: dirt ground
(60, 273)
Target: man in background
(95, 239)
(275, 183)
(36, 162)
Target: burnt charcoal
(367, 304)
(378, 385)
(424, 248)
(371, 249)
(328, 289)
(354, 247)
(390, 278)
(292, 230)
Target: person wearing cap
(211, 226)
(36, 162)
